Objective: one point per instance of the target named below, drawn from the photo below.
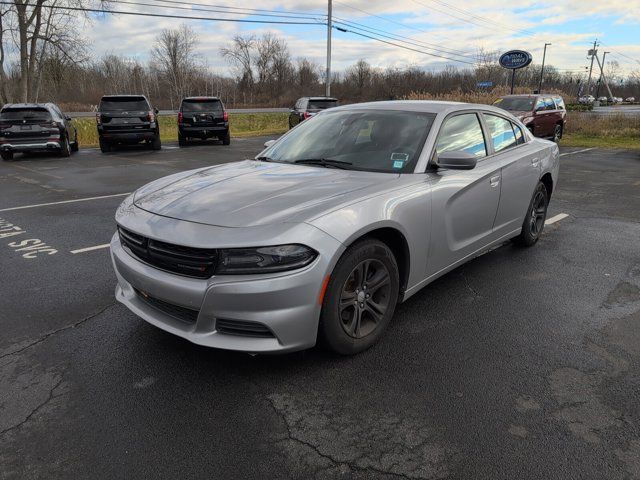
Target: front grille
(188, 261)
(184, 314)
(243, 328)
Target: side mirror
(156, 111)
(67, 118)
(268, 143)
(457, 160)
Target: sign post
(513, 60)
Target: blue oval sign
(514, 59)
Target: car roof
(200, 98)
(427, 106)
(124, 96)
(27, 105)
(527, 95)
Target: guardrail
(175, 112)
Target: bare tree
(239, 54)
(4, 31)
(174, 54)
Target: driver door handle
(495, 181)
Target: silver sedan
(331, 226)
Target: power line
(398, 38)
(402, 46)
(144, 4)
(240, 10)
(159, 15)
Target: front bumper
(287, 303)
(29, 147)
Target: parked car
(586, 99)
(28, 127)
(203, 117)
(544, 115)
(630, 99)
(603, 99)
(307, 107)
(331, 226)
(127, 119)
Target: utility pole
(544, 55)
(327, 89)
(604, 55)
(604, 79)
(593, 54)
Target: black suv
(307, 107)
(127, 119)
(203, 117)
(26, 127)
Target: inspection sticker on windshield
(399, 159)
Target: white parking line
(90, 249)
(556, 218)
(64, 201)
(577, 151)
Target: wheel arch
(547, 181)
(396, 240)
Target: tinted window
(501, 132)
(515, 104)
(519, 135)
(372, 140)
(321, 104)
(30, 114)
(462, 133)
(123, 104)
(559, 103)
(202, 105)
(548, 104)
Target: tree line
(52, 62)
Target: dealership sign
(514, 59)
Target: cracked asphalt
(522, 364)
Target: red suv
(544, 115)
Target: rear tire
(75, 146)
(360, 298)
(6, 155)
(182, 140)
(226, 140)
(65, 148)
(105, 147)
(533, 223)
(155, 143)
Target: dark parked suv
(307, 107)
(127, 119)
(26, 127)
(544, 115)
(203, 117)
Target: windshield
(321, 104)
(124, 104)
(372, 140)
(515, 104)
(202, 106)
(31, 114)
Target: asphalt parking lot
(522, 364)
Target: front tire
(533, 223)
(557, 133)
(6, 155)
(360, 298)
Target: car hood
(252, 193)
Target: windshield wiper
(266, 159)
(324, 162)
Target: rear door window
(321, 104)
(462, 133)
(501, 132)
(124, 104)
(559, 103)
(202, 105)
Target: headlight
(264, 259)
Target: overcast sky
(455, 29)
